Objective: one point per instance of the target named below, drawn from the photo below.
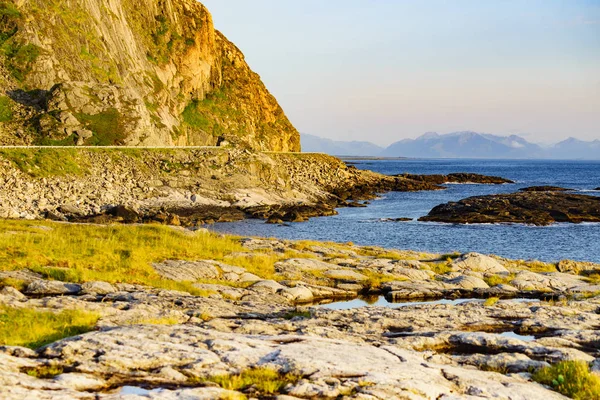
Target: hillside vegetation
(144, 72)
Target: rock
(124, 214)
(469, 282)
(299, 294)
(575, 267)
(71, 210)
(101, 288)
(186, 270)
(458, 178)
(12, 292)
(345, 275)
(478, 263)
(268, 285)
(82, 382)
(248, 277)
(537, 208)
(52, 288)
(328, 366)
(544, 189)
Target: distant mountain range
(315, 144)
(458, 145)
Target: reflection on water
(514, 335)
(380, 301)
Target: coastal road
(146, 148)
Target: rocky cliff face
(130, 72)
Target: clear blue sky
(383, 70)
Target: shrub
(572, 379)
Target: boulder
(299, 294)
(52, 288)
(478, 263)
(469, 282)
(101, 288)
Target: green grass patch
(440, 268)
(40, 163)
(18, 284)
(6, 111)
(107, 126)
(571, 378)
(195, 119)
(297, 313)
(266, 381)
(44, 372)
(32, 328)
(119, 253)
(491, 301)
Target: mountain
(575, 149)
(464, 145)
(131, 72)
(315, 144)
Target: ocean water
(364, 226)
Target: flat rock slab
(329, 367)
(189, 271)
(51, 288)
(345, 275)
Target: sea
(369, 226)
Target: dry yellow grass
(121, 253)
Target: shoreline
(235, 300)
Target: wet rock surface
(534, 207)
(419, 351)
(458, 178)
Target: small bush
(491, 301)
(572, 379)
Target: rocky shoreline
(191, 187)
(170, 344)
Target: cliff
(129, 72)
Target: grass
(32, 328)
(155, 321)
(376, 280)
(495, 280)
(6, 112)
(491, 301)
(44, 372)
(119, 254)
(534, 266)
(18, 284)
(194, 118)
(41, 163)
(264, 380)
(107, 126)
(440, 268)
(571, 378)
(296, 313)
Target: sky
(385, 70)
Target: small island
(526, 207)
